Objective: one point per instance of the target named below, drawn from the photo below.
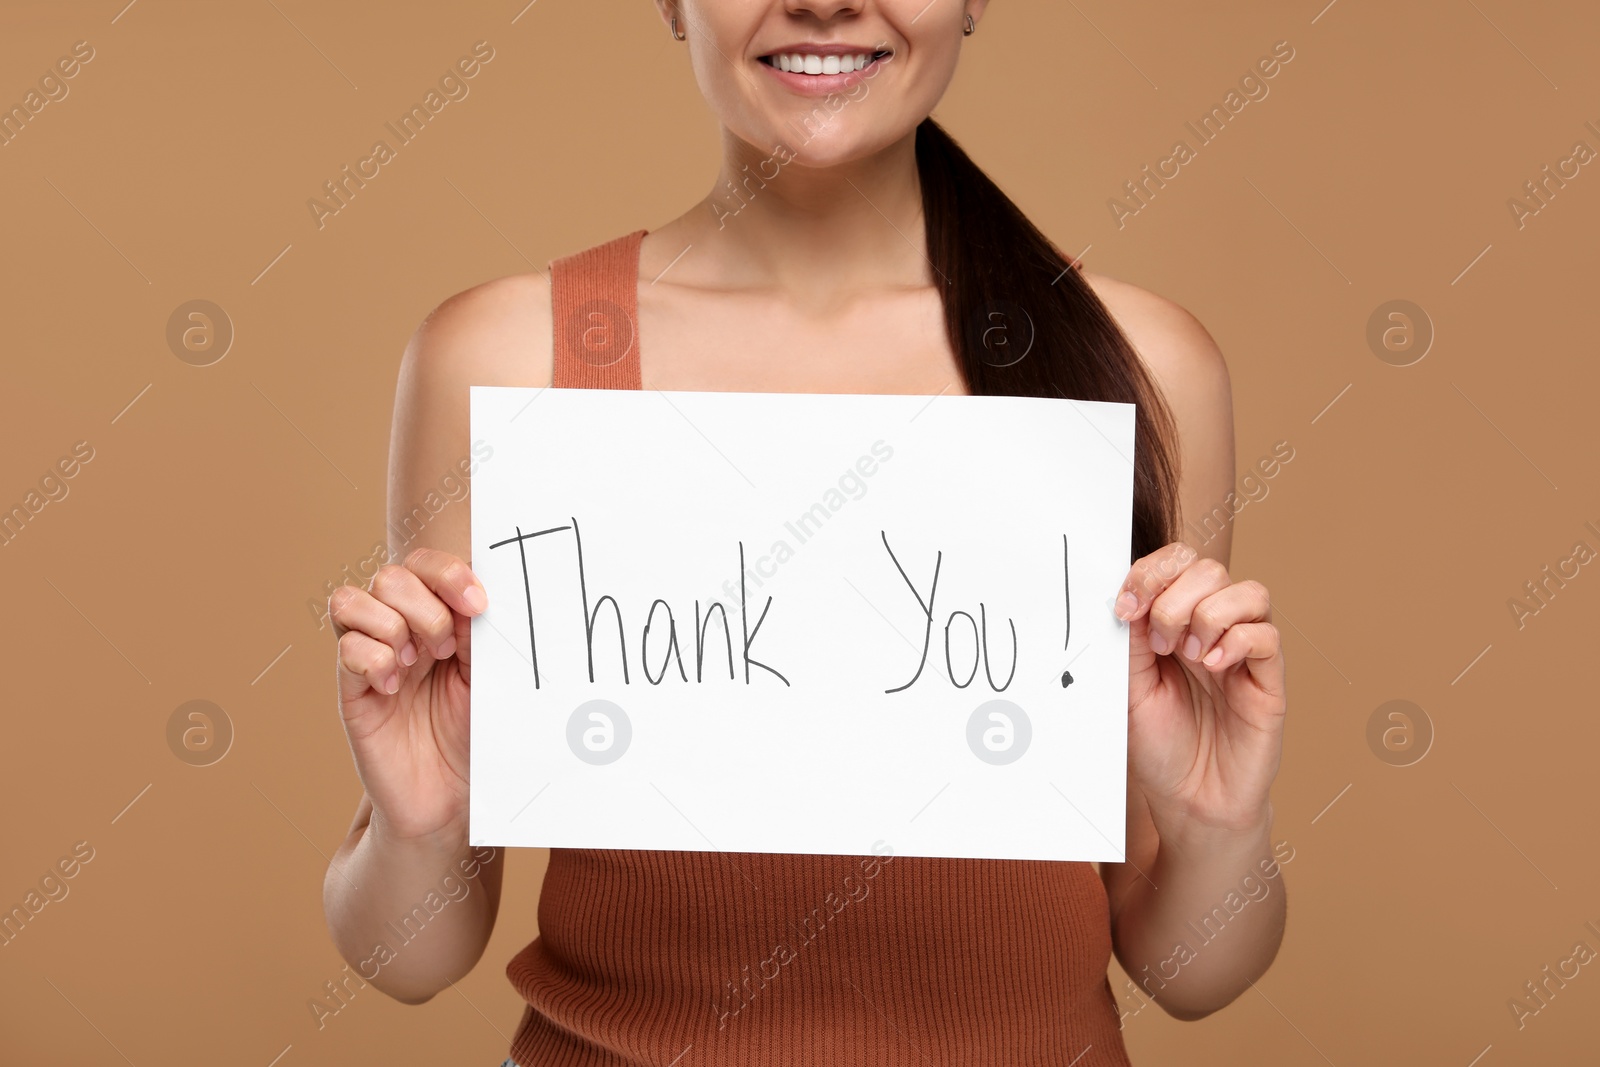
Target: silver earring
(675, 34)
(971, 26)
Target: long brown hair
(993, 264)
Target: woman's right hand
(405, 675)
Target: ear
(976, 8)
(667, 9)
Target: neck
(775, 222)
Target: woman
(847, 246)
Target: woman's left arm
(1197, 911)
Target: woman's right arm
(405, 663)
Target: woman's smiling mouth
(818, 69)
(813, 63)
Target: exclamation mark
(1066, 598)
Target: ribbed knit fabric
(716, 959)
(594, 304)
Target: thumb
(463, 633)
(1144, 673)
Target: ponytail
(991, 260)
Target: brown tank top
(693, 959)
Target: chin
(833, 148)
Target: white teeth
(797, 62)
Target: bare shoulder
(494, 333)
(1176, 347)
(1192, 375)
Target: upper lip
(813, 49)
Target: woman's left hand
(1205, 691)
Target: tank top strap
(594, 307)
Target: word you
(736, 996)
(1251, 490)
(1539, 591)
(53, 87)
(980, 630)
(1539, 191)
(1215, 922)
(337, 992)
(339, 190)
(53, 484)
(1539, 997)
(810, 522)
(52, 887)
(1142, 190)
(402, 531)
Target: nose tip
(824, 9)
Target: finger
(357, 609)
(450, 578)
(1149, 575)
(464, 645)
(1237, 603)
(1171, 611)
(426, 615)
(366, 663)
(1259, 646)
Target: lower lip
(822, 84)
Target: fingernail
(447, 648)
(1127, 604)
(408, 654)
(475, 598)
(1214, 656)
(392, 684)
(1158, 643)
(1191, 647)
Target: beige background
(180, 564)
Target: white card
(850, 697)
